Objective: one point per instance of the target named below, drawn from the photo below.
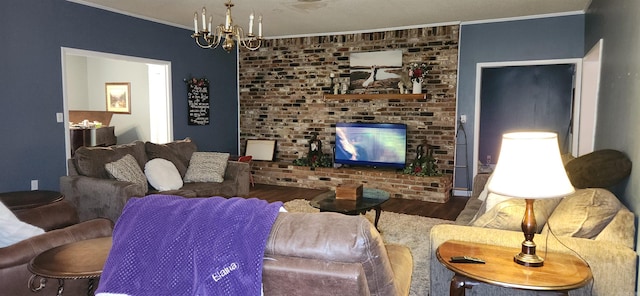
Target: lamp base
(528, 260)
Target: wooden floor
(447, 211)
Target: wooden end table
(560, 272)
(20, 200)
(372, 199)
(79, 260)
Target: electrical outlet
(463, 118)
(34, 184)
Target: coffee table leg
(378, 209)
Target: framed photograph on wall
(375, 70)
(118, 97)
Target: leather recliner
(332, 254)
(61, 224)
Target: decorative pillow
(90, 161)
(508, 214)
(207, 167)
(127, 169)
(598, 169)
(584, 213)
(163, 175)
(178, 152)
(13, 230)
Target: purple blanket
(170, 245)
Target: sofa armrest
(479, 182)
(613, 265)
(283, 275)
(239, 173)
(50, 216)
(23, 251)
(98, 198)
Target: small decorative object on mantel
(423, 165)
(417, 73)
(315, 157)
(198, 101)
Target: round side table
(20, 200)
(78, 260)
(560, 272)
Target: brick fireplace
(282, 98)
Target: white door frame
(590, 92)
(64, 51)
(576, 107)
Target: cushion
(90, 161)
(178, 152)
(162, 175)
(598, 169)
(13, 230)
(207, 167)
(584, 213)
(508, 214)
(127, 169)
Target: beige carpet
(409, 230)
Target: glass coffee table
(372, 199)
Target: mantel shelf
(377, 96)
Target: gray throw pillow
(127, 169)
(207, 167)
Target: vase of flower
(417, 85)
(417, 73)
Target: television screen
(371, 144)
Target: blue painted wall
(31, 35)
(535, 39)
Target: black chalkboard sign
(198, 98)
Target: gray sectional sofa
(96, 193)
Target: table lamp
(530, 167)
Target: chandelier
(208, 38)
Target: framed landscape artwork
(118, 97)
(377, 69)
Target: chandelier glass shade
(208, 37)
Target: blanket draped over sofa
(170, 245)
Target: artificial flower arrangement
(424, 165)
(417, 72)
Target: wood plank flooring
(447, 211)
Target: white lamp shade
(530, 166)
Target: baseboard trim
(457, 192)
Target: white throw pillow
(127, 169)
(163, 174)
(207, 167)
(13, 230)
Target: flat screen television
(371, 144)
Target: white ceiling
(319, 17)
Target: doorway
(534, 95)
(84, 74)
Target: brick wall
(282, 87)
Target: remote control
(466, 259)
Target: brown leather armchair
(332, 254)
(60, 222)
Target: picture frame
(118, 97)
(375, 70)
(261, 149)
